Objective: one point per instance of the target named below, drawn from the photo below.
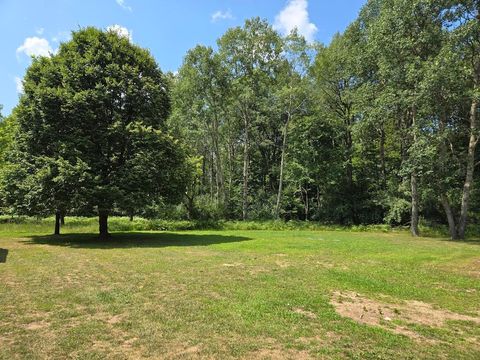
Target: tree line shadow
(154, 240)
(468, 241)
(132, 240)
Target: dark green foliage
(380, 126)
(91, 134)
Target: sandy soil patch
(279, 354)
(37, 325)
(383, 314)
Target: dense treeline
(380, 126)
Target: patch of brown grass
(278, 354)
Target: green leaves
(89, 129)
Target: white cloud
(19, 84)
(221, 15)
(121, 31)
(295, 16)
(124, 6)
(35, 46)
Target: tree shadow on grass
(3, 255)
(468, 241)
(133, 240)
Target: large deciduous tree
(97, 109)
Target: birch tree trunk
(245, 171)
(468, 184)
(282, 165)
(414, 186)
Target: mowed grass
(230, 294)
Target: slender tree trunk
(415, 205)
(211, 174)
(103, 224)
(230, 167)
(467, 186)
(318, 201)
(131, 217)
(282, 165)
(414, 186)
(204, 169)
(450, 218)
(58, 217)
(443, 197)
(382, 157)
(245, 171)
(62, 219)
(307, 207)
(349, 146)
(218, 162)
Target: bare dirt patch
(233, 265)
(474, 268)
(282, 264)
(325, 339)
(115, 319)
(387, 315)
(178, 352)
(279, 354)
(37, 325)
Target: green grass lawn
(238, 294)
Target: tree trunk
(211, 174)
(349, 167)
(58, 217)
(190, 207)
(442, 159)
(467, 186)
(451, 219)
(245, 172)
(282, 164)
(350, 183)
(414, 217)
(218, 162)
(103, 224)
(414, 186)
(62, 219)
(382, 157)
(131, 217)
(307, 207)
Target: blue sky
(169, 28)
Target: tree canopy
(379, 126)
(92, 131)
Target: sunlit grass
(227, 294)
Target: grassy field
(251, 294)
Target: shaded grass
(229, 294)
